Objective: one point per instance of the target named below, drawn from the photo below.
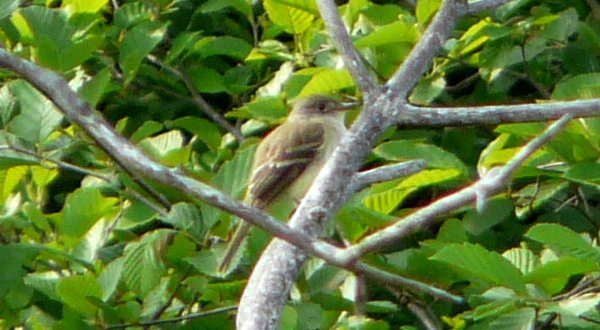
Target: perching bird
(288, 160)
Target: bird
(288, 159)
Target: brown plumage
(289, 158)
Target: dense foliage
(85, 246)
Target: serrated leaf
(327, 81)
(425, 10)
(269, 109)
(136, 45)
(484, 265)
(214, 5)
(233, 175)
(291, 19)
(59, 45)
(110, 277)
(38, 116)
(181, 45)
(554, 275)
(563, 241)
(132, 13)
(227, 46)
(142, 266)
(82, 209)
(203, 129)
(44, 282)
(496, 211)
(584, 86)
(523, 259)
(76, 290)
(521, 319)
(182, 215)
(84, 6)
(8, 7)
(206, 80)
(389, 34)
(403, 150)
(93, 90)
(387, 201)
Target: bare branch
(419, 60)
(204, 106)
(415, 116)
(475, 7)
(78, 169)
(492, 182)
(175, 319)
(340, 38)
(386, 173)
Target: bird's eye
(321, 106)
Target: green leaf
(93, 90)
(132, 13)
(389, 34)
(291, 19)
(586, 173)
(403, 150)
(484, 265)
(387, 201)
(563, 241)
(76, 290)
(425, 10)
(59, 45)
(13, 258)
(203, 129)
(270, 109)
(584, 86)
(554, 275)
(136, 45)
(82, 209)
(214, 5)
(84, 6)
(496, 211)
(8, 7)
(523, 259)
(182, 44)
(233, 175)
(228, 46)
(168, 147)
(206, 80)
(110, 277)
(523, 318)
(186, 217)
(38, 117)
(328, 81)
(142, 266)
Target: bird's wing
(285, 155)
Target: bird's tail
(234, 245)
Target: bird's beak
(344, 106)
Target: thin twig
(78, 169)
(387, 173)
(202, 104)
(174, 319)
(492, 182)
(341, 40)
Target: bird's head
(320, 105)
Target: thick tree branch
(341, 40)
(386, 173)
(491, 183)
(278, 267)
(414, 116)
(419, 60)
